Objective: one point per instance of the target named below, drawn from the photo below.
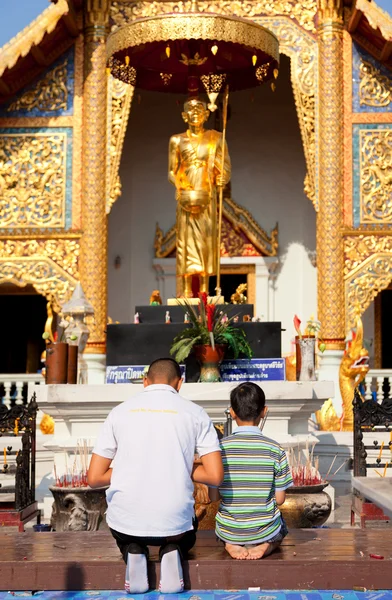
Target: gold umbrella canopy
(192, 52)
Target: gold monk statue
(195, 168)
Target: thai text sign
(254, 369)
(130, 373)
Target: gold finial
(330, 10)
(194, 6)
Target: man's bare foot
(261, 551)
(238, 552)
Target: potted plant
(208, 336)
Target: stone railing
(13, 387)
(378, 384)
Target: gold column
(330, 257)
(94, 242)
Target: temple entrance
(383, 329)
(23, 313)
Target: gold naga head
(195, 112)
(355, 353)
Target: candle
(381, 449)
(5, 456)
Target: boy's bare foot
(261, 551)
(238, 552)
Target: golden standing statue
(195, 168)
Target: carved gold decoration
(376, 175)
(165, 78)
(348, 130)
(302, 50)
(293, 41)
(96, 19)
(353, 370)
(51, 266)
(327, 418)
(330, 10)
(49, 94)
(240, 220)
(204, 26)
(375, 89)
(303, 12)
(94, 242)
(122, 72)
(368, 270)
(32, 180)
(119, 105)
(330, 257)
(77, 146)
(32, 35)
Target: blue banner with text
(254, 369)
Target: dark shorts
(279, 537)
(132, 544)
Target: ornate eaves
(377, 18)
(32, 35)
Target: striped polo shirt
(255, 466)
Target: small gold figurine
(239, 297)
(155, 298)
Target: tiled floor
(241, 595)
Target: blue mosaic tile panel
(360, 61)
(206, 595)
(23, 151)
(51, 95)
(358, 143)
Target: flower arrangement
(313, 328)
(209, 326)
(64, 324)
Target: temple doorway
(23, 313)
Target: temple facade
(83, 168)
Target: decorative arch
(368, 271)
(293, 24)
(37, 262)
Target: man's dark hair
(247, 400)
(164, 370)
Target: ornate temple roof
(34, 48)
(371, 27)
(30, 52)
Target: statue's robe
(199, 167)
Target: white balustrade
(375, 383)
(15, 384)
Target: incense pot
(306, 506)
(78, 508)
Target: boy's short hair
(247, 400)
(164, 369)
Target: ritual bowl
(306, 506)
(78, 508)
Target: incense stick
(332, 463)
(262, 422)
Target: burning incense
(385, 469)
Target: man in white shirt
(152, 439)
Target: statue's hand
(220, 181)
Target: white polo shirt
(152, 438)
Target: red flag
(297, 325)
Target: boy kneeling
(256, 475)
